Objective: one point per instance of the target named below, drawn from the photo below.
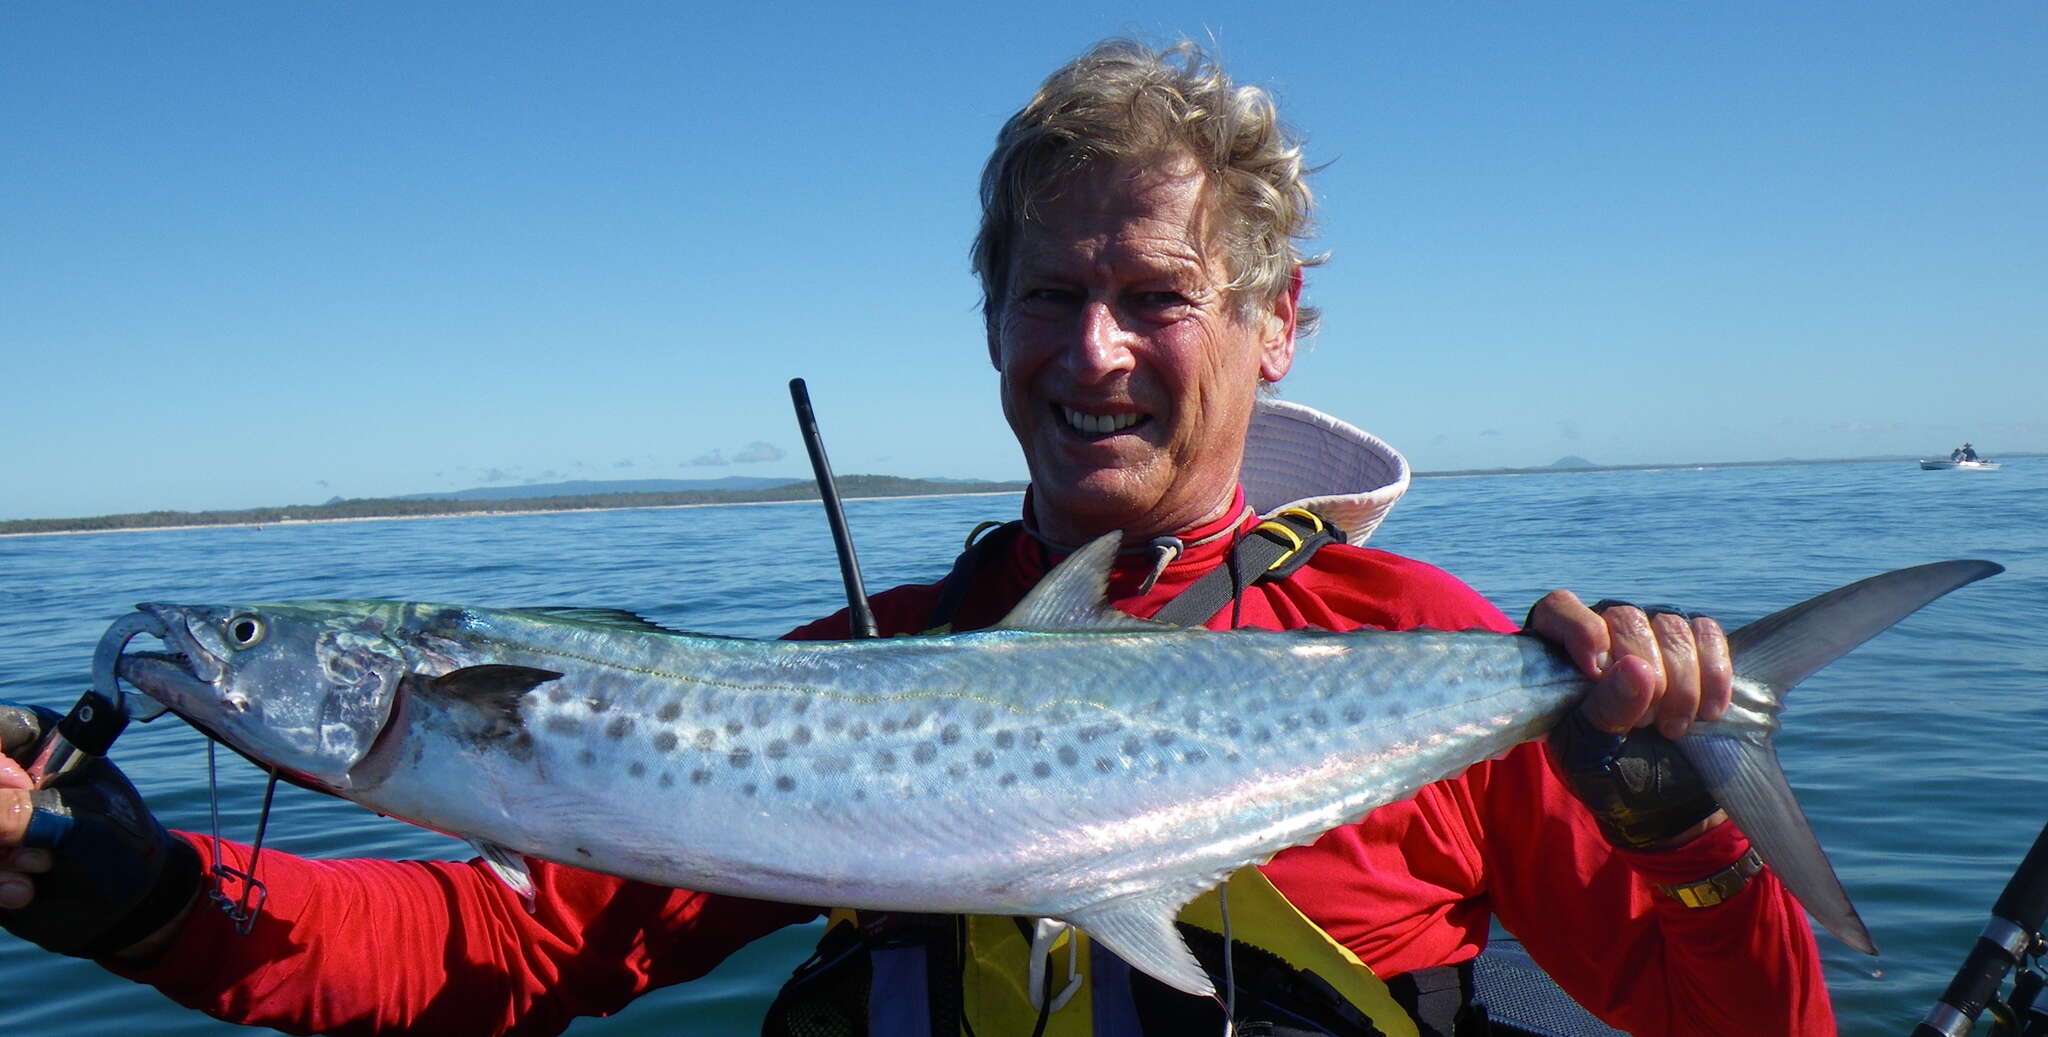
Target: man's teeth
(1099, 424)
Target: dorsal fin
(617, 618)
(1071, 595)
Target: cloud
(322, 483)
(757, 452)
(498, 475)
(1485, 432)
(625, 462)
(713, 459)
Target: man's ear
(1276, 336)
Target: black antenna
(860, 618)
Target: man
(1142, 280)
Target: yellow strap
(1262, 916)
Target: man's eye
(1155, 302)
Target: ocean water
(1922, 758)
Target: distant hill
(1572, 461)
(593, 487)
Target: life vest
(897, 975)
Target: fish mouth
(180, 679)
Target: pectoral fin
(509, 867)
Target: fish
(1072, 763)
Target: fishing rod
(2012, 937)
(859, 616)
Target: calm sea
(1922, 759)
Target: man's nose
(1104, 347)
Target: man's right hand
(85, 869)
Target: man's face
(1127, 373)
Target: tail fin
(1735, 753)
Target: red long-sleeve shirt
(362, 946)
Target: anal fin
(1140, 930)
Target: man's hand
(1654, 674)
(85, 869)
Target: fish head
(304, 687)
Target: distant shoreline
(488, 514)
(850, 490)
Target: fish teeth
(1098, 424)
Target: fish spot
(667, 779)
(1104, 764)
(1006, 780)
(700, 776)
(668, 711)
(983, 717)
(637, 769)
(1318, 719)
(800, 736)
(888, 725)
(1133, 746)
(1005, 738)
(598, 705)
(1162, 737)
(777, 749)
(522, 745)
(1232, 756)
(858, 730)
(1068, 756)
(1041, 769)
(1033, 738)
(1354, 715)
(800, 707)
(785, 783)
(748, 789)
(740, 757)
(706, 738)
(620, 727)
(1089, 733)
(733, 727)
(1233, 727)
(1263, 735)
(860, 795)
(665, 742)
(1194, 756)
(1290, 722)
(1192, 717)
(587, 758)
(885, 760)
(558, 695)
(762, 713)
(561, 725)
(835, 724)
(956, 770)
(950, 734)
(914, 719)
(925, 752)
(984, 759)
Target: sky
(256, 253)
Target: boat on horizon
(1944, 465)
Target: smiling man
(1142, 273)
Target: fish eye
(244, 631)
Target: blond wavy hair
(1123, 102)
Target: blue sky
(259, 253)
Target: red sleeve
(1413, 885)
(368, 946)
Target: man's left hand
(1658, 670)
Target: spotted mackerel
(1072, 763)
